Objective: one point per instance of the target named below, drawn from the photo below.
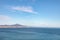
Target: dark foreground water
(29, 34)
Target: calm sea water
(29, 34)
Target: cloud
(25, 9)
(3, 17)
(41, 24)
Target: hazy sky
(42, 13)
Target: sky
(36, 13)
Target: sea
(29, 33)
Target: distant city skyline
(36, 13)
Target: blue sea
(29, 34)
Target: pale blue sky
(42, 13)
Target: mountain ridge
(12, 26)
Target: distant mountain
(16, 25)
(12, 26)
